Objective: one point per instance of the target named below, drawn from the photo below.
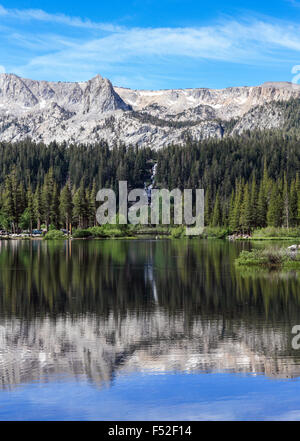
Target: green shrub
(216, 232)
(104, 231)
(178, 232)
(97, 231)
(253, 257)
(81, 233)
(268, 256)
(119, 229)
(54, 235)
(112, 230)
(24, 222)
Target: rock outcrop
(87, 112)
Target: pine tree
(231, 208)
(236, 212)
(286, 203)
(253, 202)
(8, 203)
(217, 213)
(47, 197)
(297, 189)
(54, 210)
(275, 208)
(80, 206)
(66, 206)
(293, 204)
(92, 205)
(262, 207)
(266, 182)
(20, 199)
(246, 214)
(30, 208)
(38, 206)
(207, 207)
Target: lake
(145, 330)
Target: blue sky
(152, 44)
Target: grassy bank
(268, 233)
(99, 232)
(271, 233)
(269, 257)
(174, 232)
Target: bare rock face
(15, 93)
(95, 110)
(99, 96)
(227, 103)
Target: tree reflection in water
(97, 307)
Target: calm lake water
(145, 330)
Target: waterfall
(148, 188)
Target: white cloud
(232, 41)
(2, 69)
(40, 15)
(249, 41)
(3, 11)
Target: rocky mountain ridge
(86, 112)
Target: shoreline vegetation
(272, 258)
(118, 231)
(269, 233)
(251, 181)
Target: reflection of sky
(156, 397)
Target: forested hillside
(251, 180)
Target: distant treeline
(57, 184)
(249, 181)
(100, 163)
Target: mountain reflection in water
(96, 308)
